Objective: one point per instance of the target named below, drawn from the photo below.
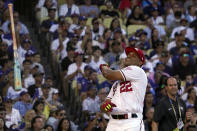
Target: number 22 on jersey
(125, 86)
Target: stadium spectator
(44, 92)
(88, 9)
(191, 98)
(149, 102)
(46, 24)
(143, 42)
(76, 69)
(184, 29)
(68, 60)
(149, 117)
(37, 62)
(191, 16)
(2, 112)
(75, 22)
(154, 4)
(2, 125)
(33, 89)
(83, 82)
(109, 11)
(48, 127)
(25, 47)
(158, 20)
(184, 66)
(12, 115)
(22, 28)
(64, 124)
(29, 115)
(151, 26)
(41, 3)
(2, 10)
(136, 17)
(53, 121)
(37, 123)
(55, 102)
(97, 30)
(96, 59)
(115, 25)
(96, 123)
(61, 113)
(91, 103)
(45, 11)
(12, 93)
(193, 47)
(68, 9)
(173, 19)
(154, 39)
(112, 57)
(24, 104)
(58, 46)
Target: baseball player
(125, 100)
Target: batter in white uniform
(126, 98)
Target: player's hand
(102, 66)
(108, 106)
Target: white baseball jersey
(128, 95)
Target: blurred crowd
(76, 36)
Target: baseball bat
(17, 70)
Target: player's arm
(111, 74)
(154, 126)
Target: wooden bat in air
(17, 70)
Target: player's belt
(124, 116)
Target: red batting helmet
(139, 53)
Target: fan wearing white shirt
(58, 46)
(68, 9)
(23, 49)
(150, 26)
(97, 59)
(43, 13)
(12, 115)
(36, 62)
(26, 74)
(191, 16)
(42, 2)
(157, 20)
(184, 26)
(76, 69)
(11, 92)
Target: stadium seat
(124, 27)
(131, 29)
(102, 7)
(44, 18)
(89, 21)
(121, 21)
(148, 52)
(107, 22)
